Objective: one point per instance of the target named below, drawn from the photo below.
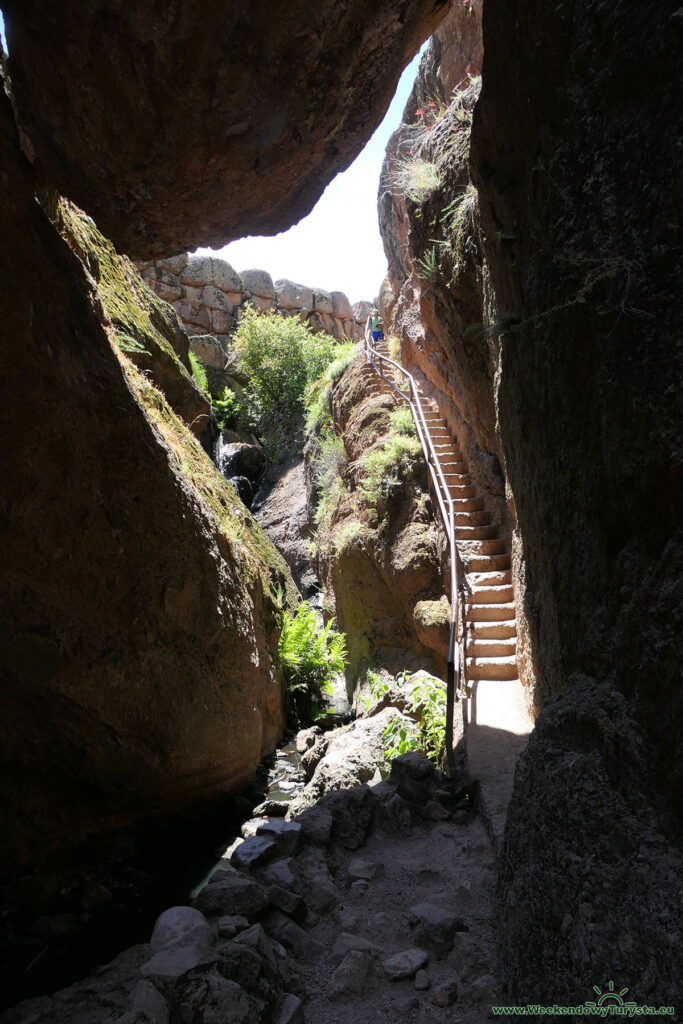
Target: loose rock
(405, 964)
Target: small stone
(360, 887)
(305, 738)
(347, 942)
(422, 981)
(434, 928)
(288, 902)
(404, 964)
(350, 976)
(271, 809)
(393, 816)
(292, 937)
(281, 873)
(170, 964)
(445, 991)
(257, 939)
(291, 1010)
(253, 852)
(181, 926)
(484, 989)
(434, 811)
(364, 870)
(229, 925)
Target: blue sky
(338, 246)
(2, 31)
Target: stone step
(495, 546)
(451, 466)
(475, 532)
(467, 504)
(497, 578)
(505, 629)
(492, 668)
(492, 595)
(489, 612)
(462, 490)
(476, 518)
(485, 563)
(459, 479)
(505, 647)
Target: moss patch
(248, 545)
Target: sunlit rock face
(204, 123)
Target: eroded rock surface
(209, 123)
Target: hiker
(376, 326)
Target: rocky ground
(377, 895)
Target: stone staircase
(498, 716)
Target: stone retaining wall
(208, 295)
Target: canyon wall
(536, 280)
(138, 602)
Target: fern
(311, 655)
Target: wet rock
(181, 926)
(351, 975)
(242, 485)
(286, 836)
(433, 927)
(405, 964)
(253, 851)
(312, 756)
(230, 924)
(238, 459)
(229, 892)
(171, 964)
(292, 937)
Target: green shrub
(427, 702)
(311, 655)
(280, 356)
(329, 459)
(402, 422)
(319, 392)
(227, 408)
(199, 374)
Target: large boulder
(225, 119)
(292, 296)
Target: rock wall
(378, 553)
(207, 295)
(546, 330)
(571, 159)
(139, 619)
(204, 124)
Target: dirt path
(450, 866)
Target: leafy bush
(427, 702)
(199, 374)
(227, 408)
(329, 459)
(281, 357)
(311, 655)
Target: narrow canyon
(340, 640)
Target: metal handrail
(453, 676)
